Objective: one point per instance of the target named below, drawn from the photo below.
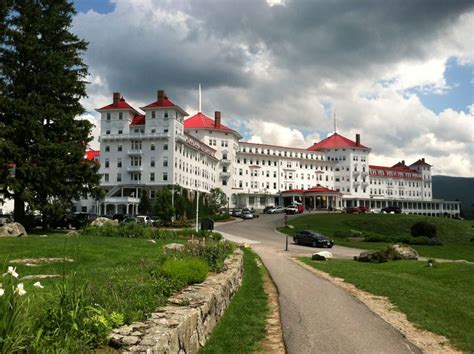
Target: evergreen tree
(144, 207)
(42, 79)
(162, 206)
(217, 200)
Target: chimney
(161, 95)
(357, 139)
(423, 159)
(403, 162)
(217, 119)
(116, 98)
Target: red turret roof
(139, 119)
(420, 162)
(201, 121)
(336, 141)
(166, 103)
(121, 104)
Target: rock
(322, 256)
(102, 221)
(40, 276)
(177, 247)
(391, 253)
(13, 229)
(403, 252)
(152, 241)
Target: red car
(356, 210)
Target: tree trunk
(19, 209)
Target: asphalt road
(317, 316)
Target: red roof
(121, 104)
(393, 172)
(91, 155)
(400, 164)
(166, 103)
(420, 162)
(336, 141)
(317, 189)
(139, 119)
(201, 121)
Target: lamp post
(197, 210)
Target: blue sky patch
(100, 6)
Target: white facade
(148, 151)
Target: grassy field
(243, 324)
(439, 299)
(456, 234)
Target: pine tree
(144, 207)
(42, 79)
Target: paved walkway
(317, 316)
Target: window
(119, 148)
(107, 132)
(165, 147)
(165, 176)
(153, 114)
(224, 182)
(166, 114)
(152, 176)
(107, 148)
(107, 163)
(165, 161)
(119, 163)
(108, 116)
(119, 177)
(106, 177)
(120, 115)
(153, 130)
(120, 131)
(152, 162)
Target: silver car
(246, 214)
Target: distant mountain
(456, 188)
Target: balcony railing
(225, 162)
(135, 136)
(224, 174)
(135, 168)
(134, 152)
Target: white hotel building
(146, 151)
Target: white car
(144, 220)
(276, 210)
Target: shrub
(187, 270)
(214, 253)
(423, 228)
(129, 230)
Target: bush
(214, 253)
(129, 230)
(187, 270)
(423, 228)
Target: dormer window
(120, 115)
(108, 115)
(166, 115)
(120, 131)
(153, 114)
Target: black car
(312, 238)
(392, 209)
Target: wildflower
(38, 285)
(11, 271)
(19, 290)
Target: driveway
(317, 316)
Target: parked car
(79, 219)
(155, 221)
(120, 217)
(254, 213)
(246, 214)
(392, 209)
(236, 212)
(267, 208)
(129, 219)
(291, 210)
(144, 220)
(276, 210)
(356, 210)
(312, 238)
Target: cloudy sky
(399, 72)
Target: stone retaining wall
(186, 323)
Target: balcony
(224, 174)
(180, 139)
(364, 173)
(356, 183)
(365, 184)
(135, 168)
(225, 162)
(355, 173)
(135, 152)
(134, 136)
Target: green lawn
(244, 322)
(456, 234)
(439, 299)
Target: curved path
(317, 316)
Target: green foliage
(71, 322)
(162, 206)
(221, 217)
(217, 200)
(42, 81)
(423, 228)
(128, 230)
(243, 324)
(439, 299)
(144, 207)
(13, 329)
(187, 270)
(214, 253)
